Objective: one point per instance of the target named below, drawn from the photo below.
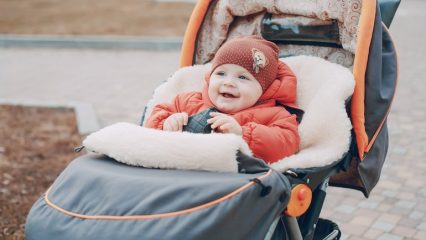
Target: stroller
(355, 64)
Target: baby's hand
(175, 122)
(224, 123)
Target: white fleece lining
(325, 131)
(322, 88)
(139, 146)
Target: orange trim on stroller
(153, 216)
(373, 139)
(188, 45)
(366, 26)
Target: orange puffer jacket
(269, 130)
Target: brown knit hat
(257, 55)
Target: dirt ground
(35, 146)
(94, 17)
(36, 143)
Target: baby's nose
(229, 82)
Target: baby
(244, 85)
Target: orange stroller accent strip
(188, 45)
(300, 200)
(373, 139)
(366, 27)
(154, 216)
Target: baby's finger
(225, 127)
(180, 121)
(174, 124)
(178, 124)
(214, 114)
(213, 119)
(217, 117)
(219, 122)
(166, 126)
(185, 118)
(214, 122)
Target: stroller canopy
(359, 41)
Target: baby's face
(232, 88)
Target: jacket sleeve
(274, 141)
(161, 112)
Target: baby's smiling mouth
(228, 95)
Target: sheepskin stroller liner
(353, 175)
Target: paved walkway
(119, 84)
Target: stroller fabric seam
(154, 216)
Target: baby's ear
(207, 76)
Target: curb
(87, 121)
(90, 42)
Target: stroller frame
(305, 226)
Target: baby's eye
(220, 73)
(243, 77)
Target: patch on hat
(259, 59)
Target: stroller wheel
(327, 230)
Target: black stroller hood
(380, 80)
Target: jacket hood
(283, 89)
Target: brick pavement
(119, 83)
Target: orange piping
(153, 216)
(194, 24)
(373, 139)
(366, 26)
